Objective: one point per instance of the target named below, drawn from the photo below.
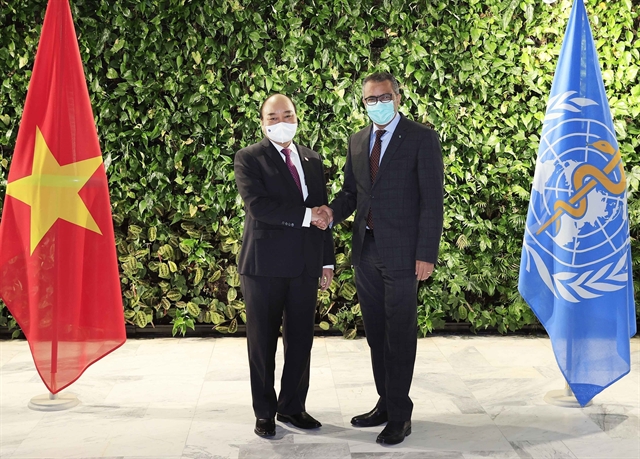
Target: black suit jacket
(274, 242)
(406, 198)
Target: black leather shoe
(373, 418)
(301, 420)
(394, 432)
(265, 427)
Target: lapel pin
(306, 159)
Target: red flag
(58, 264)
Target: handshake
(321, 217)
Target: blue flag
(575, 271)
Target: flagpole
(56, 306)
(563, 397)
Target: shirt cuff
(329, 266)
(306, 221)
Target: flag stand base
(563, 397)
(53, 402)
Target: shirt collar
(291, 147)
(389, 127)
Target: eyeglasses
(372, 100)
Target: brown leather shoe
(394, 432)
(265, 427)
(373, 418)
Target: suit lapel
(308, 168)
(360, 159)
(399, 135)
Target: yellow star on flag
(52, 191)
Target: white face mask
(281, 132)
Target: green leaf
(232, 294)
(351, 334)
(22, 61)
(118, 45)
(419, 51)
(193, 309)
(141, 319)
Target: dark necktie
(294, 172)
(374, 164)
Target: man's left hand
(423, 269)
(327, 277)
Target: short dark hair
(295, 109)
(379, 77)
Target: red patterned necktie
(294, 172)
(374, 164)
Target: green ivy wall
(176, 87)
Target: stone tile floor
(475, 397)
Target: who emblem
(577, 228)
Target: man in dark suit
(393, 179)
(282, 257)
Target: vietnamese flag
(58, 265)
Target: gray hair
(379, 77)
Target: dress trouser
(388, 299)
(271, 302)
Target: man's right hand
(321, 217)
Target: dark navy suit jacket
(406, 198)
(274, 243)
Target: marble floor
(475, 397)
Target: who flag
(575, 271)
(58, 266)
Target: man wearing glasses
(393, 179)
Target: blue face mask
(382, 112)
